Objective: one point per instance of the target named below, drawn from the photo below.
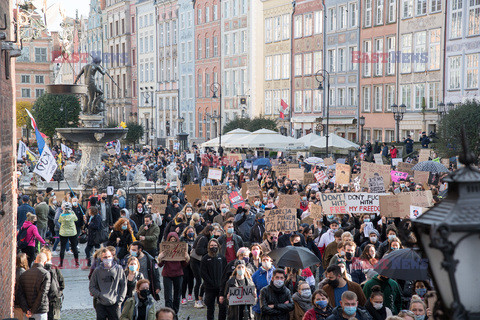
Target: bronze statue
(94, 100)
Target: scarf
(323, 314)
(305, 304)
(376, 314)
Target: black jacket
(153, 274)
(237, 243)
(256, 233)
(33, 289)
(361, 314)
(211, 270)
(227, 273)
(234, 311)
(125, 238)
(79, 212)
(57, 285)
(276, 296)
(93, 226)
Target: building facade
(133, 58)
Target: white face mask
(377, 306)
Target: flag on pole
(22, 150)
(117, 147)
(46, 165)
(66, 151)
(284, 107)
(40, 136)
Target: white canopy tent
(269, 140)
(336, 143)
(234, 137)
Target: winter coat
(211, 270)
(200, 247)
(276, 296)
(32, 234)
(392, 294)
(234, 311)
(172, 269)
(317, 314)
(41, 210)
(151, 237)
(237, 243)
(243, 224)
(152, 273)
(352, 286)
(361, 314)
(33, 289)
(57, 285)
(256, 233)
(131, 284)
(125, 238)
(380, 314)
(130, 308)
(79, 212)
(108, 285)
(298, 312)
(22, 211)
(67, 224)
(261, 278)
(93, 226)
(172, 226)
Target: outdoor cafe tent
(234, 137)
(269, 140)
(336, 143)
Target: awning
(339, 121)
(304, 119)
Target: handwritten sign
(214, 174)
(421, 198)
(370, 169)
(281, 170)
(421, 177)
(214, 193)
(328, 161)
(378, 158)
(296, 174)
(398, 175)
(320, 176)
(192, 191)
(289, 201)
(333, 203)
(376, 184)
(242, 295)
(281, 220)
(315, 211)
(396, 161)
(309, 178)
(395, 205)
(362, 202)
(424, 155)
(160, 202)
(342, 174)
(173, 251)
(405, 167)
(252, 187)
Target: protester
(57, 285)
(93, 225)
(21, 267)
(68, 233)
(337, 285)
(348, 308)
(148, 234)
(302, 301)
(275, 299)
(148, 267)
(121, 237)
(29, 237)
(141, 305)
(321, 309)
(375, 306)
(262, 277)
(41, 211)
(22, 211)
(392, 293)
(241, 277)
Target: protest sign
(193, 192)
(333, 203)
(378, 158)
(405, 167)
(356, 183)
(342, 174)
(159, 204)
(60, 195)
(376, 184)
(320, 176)
(214, 193)
(281, 220)
(281, 170)
(416, 212)
(236, 199)
(341, 161)
(368, 170)
(424, 155)
(398, 175)
(315, 211)
(421, 198)
(433, 179)
(253, 188)
(328, 161)
(362, 202)
(190, 157)
(296, 174)
(174, 251)
(396, 161)
(214, 174)
(314, 186)
(289, 201)
(274, 162)
(309, 178)
(395, 205)
(242, 295)
(421, 177)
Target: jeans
(211, 296)
(57, 241)
(172, 301)
(42, 232)
(188, 280)
(195, 265)
(88, 253)
(63, 245)
(107, 312)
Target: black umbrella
(294, 257)
(402, 264)
(430, 166)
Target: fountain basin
(92, 135)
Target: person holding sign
(241, 278)
(172, 274)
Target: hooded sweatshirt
(108, 285)
(172, 268)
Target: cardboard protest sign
(289, 201)
(214, 193)
(395, 205)
(274, 162)
(369, 169)
(236, 199)
(292, 165)
(362, 202)
(424, 154)
(342, 174)
(341, 161)
(421, 198)
(253, 187)
(328, 161)
(174, 251)
(378, 158)
(309, 178)
(320, 176)
(281, 170)
(405, 167)
(160, 202)
(242, 295)
(192, 191)
(433, 179)
(421, 177)
(396, 161)
(281, 220)
(376, 184)
(296, 174)
(333, 203)
(416, 212)
(398, 175)
(60, 195)
(214, 174)
(315, 211)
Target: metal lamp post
(398, 112)
(361, 122)
(216, 87)
(323, 76)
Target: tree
(135, 132)
(23, 120)
(250, 124)
(236, 123)
(52, 111)
(466, 114)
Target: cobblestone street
(78, 304)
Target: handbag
(83, 238)
(101, 235)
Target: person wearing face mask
(302, 300)
(177, 225)
(321, 309)
(138, 214)
(147, 267)
(337, 285)
(349, 308)
(115, 209)
(373, 239)
(188, 236)
(210, 212)
(258, 229)
(328, 237)
(229, 242)
(392, 233)
(224, 215)
(79, 211)
(392, 292)
(30, 237)
(148, 234)
(199, 249)
(188, 211)
(68, 233)
(419, 309)
(121, 237)
(124, 213)
(105, 210)
(275, 299)
(244, 220)
(108, 286)
(241, 277)
(375, 306)
(262, 277)
(303, 202)
(211, 270)
(255, 256)
(270, 241)
(93, 225)
(57, 285)
(132, 274)
(421, 288)
(141, 305)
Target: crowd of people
(226, 247)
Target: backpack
(22, 242)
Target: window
(367, 22)
(199, 16)
(366, 99)
(39, 92)
(472, 71)
(268, 30)
(341, 60)
(40, 54)
(308, 30)
(215, 12)
(434, 49)
(25, 93)
(226, 43)
(377, 98)
(474, 18)
(286, 66)
(191, 93)
(433, 95)
(207, 14)
(332, 19)
(298, 27)
(141, 74)
(39, 79)
(243, 42)
(367, 66)
(207, 81)
(234, 8)
(420, 51)
(307, 100)
(199, 85)
(317, 61)
(307, 64)
(243, 6)
(377, 134)
(406, 44)
(277, 29)
(353, 15)
(435, 6)
(379, 12)
(200, 125)
(147, 73)
(342, 17)
(190, 50)
(456, 19)
(167, 35)
(406, 97)
(298, 65)
(234, 43)
(341, 96)
(199, 48)
(331, 97)
(389, 96)
(276, 66)
(352, 96)
(184, 52)
(379, 57)
(268, 102)
(25, 78)
(392, 11)
(174, 40)
(268, 67)
(391, 55)
(298, 101)
(331, 60)
(389, 135)
(207, 47)
(318, 22)
(351, 54)
(317, 101)
(419, 96)
(407, 9)
(421, 7)
(286, 26)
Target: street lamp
(323, 76)
(361, 122)
(216, 87)
(398, 112)
(449, 234)
(147, 95)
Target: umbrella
(313, 160)
(294, 257)
(262, 162)
(430, 166)
(402, 264)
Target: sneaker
(184, 301)
(189, 298)
(69, 253)
(55, 253)
(198, 304)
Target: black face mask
(297, 244)
(348, 255)
(144, 293)
(333, 283)
(214, 250)
(104, 198)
